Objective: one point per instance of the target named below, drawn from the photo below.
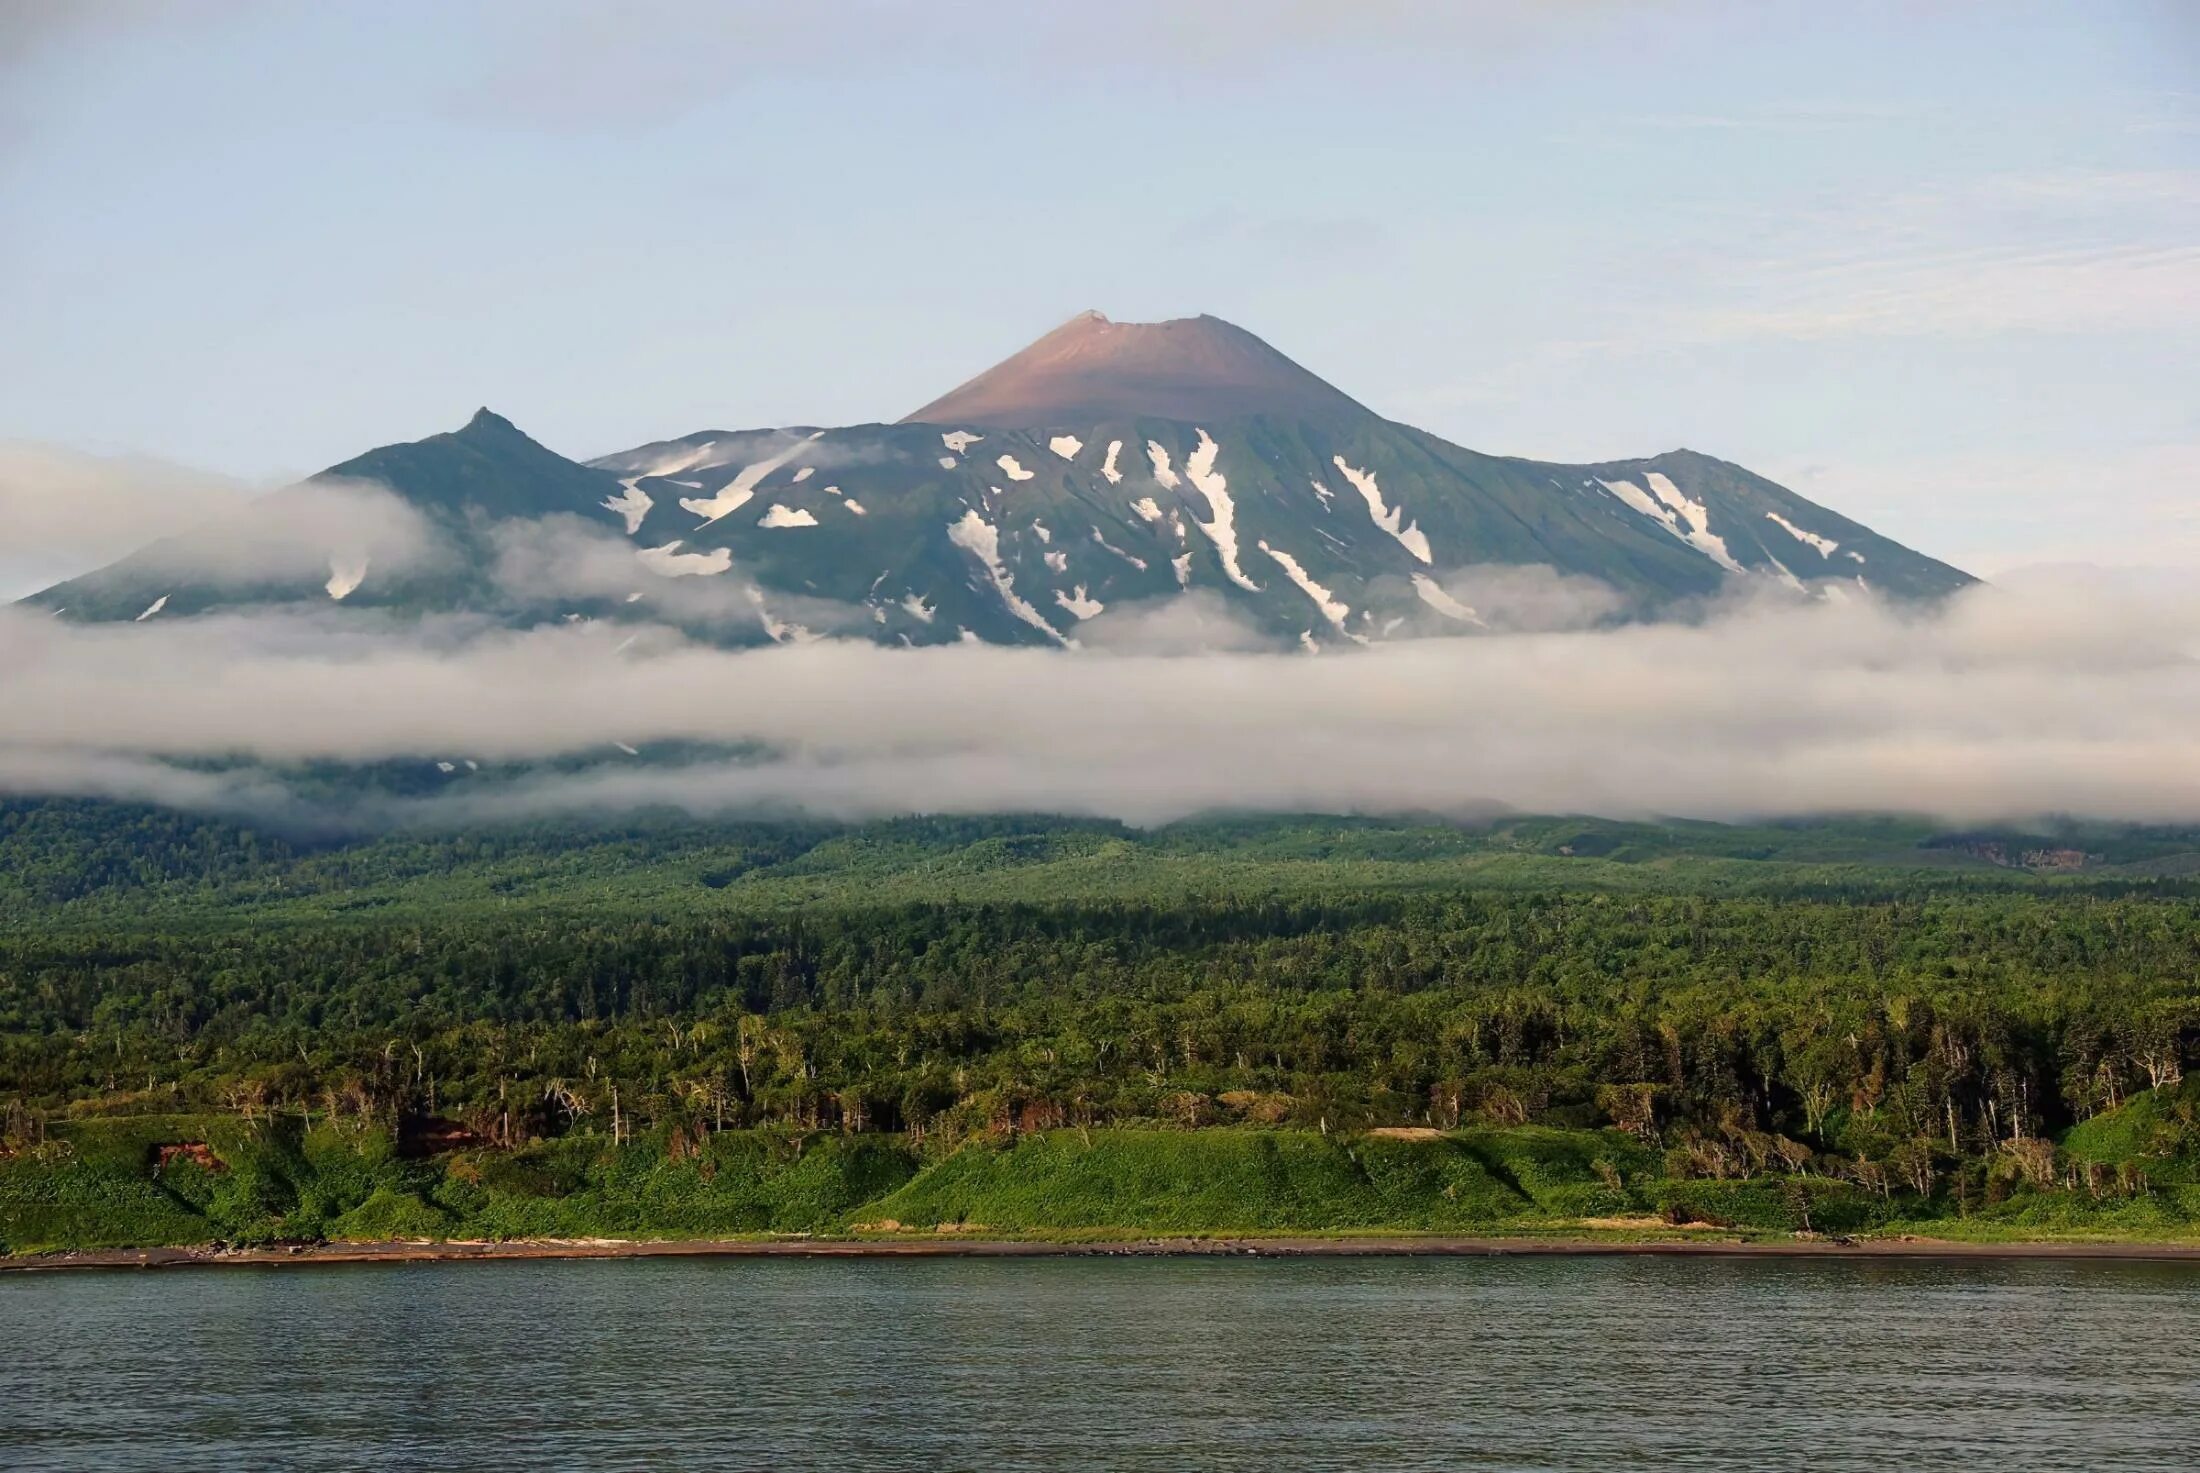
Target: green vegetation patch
(730, 1184)
(2157, 1130)
(1221, 1181)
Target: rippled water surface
(1117, 1363)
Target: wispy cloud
(66, 512)
(301, 534)
(549, 564)
(1991, 511)
(1792, 118)
(34, 32)
(1248, 239)
(2107, 254)
(2080, 289)
(32, 29)
(2070, 251)
(558, 59)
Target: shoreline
(407, 1251)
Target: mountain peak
(488, 421)
(1093, 368)
(489, 465)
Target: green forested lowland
(216, 1030)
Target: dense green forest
(1927, 1025)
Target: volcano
(1090, 369)
(1092, 477)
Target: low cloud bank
(549, 563)
(67, 512)
(2077, 699)
(301, 533)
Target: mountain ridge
(1315, 520)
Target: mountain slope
(1350, 531)
(404, 526)
(488, 467)
(1107, 468)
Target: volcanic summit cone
(1091, 369)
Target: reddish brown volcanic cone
(1090, 369)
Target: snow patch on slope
(677, 461)
(632, 503)
(1162, 472)
(1391, 519)
(1698, 517)
(780, 631)
(959, 440)
(1222, 531)
(918, 609)
(1013, 468)
(344, 575)
(151, 609)
(1066, 446)
(1107, 467)
(1136, 562)
(979, 537)
(669, 562)
(1147, 508)
(735, 494)
(1826, 546)
(1638, 499)
(1432, 593)
(1332, 609)
(1078, 604)
(786, 516)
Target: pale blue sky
(1937, 265)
